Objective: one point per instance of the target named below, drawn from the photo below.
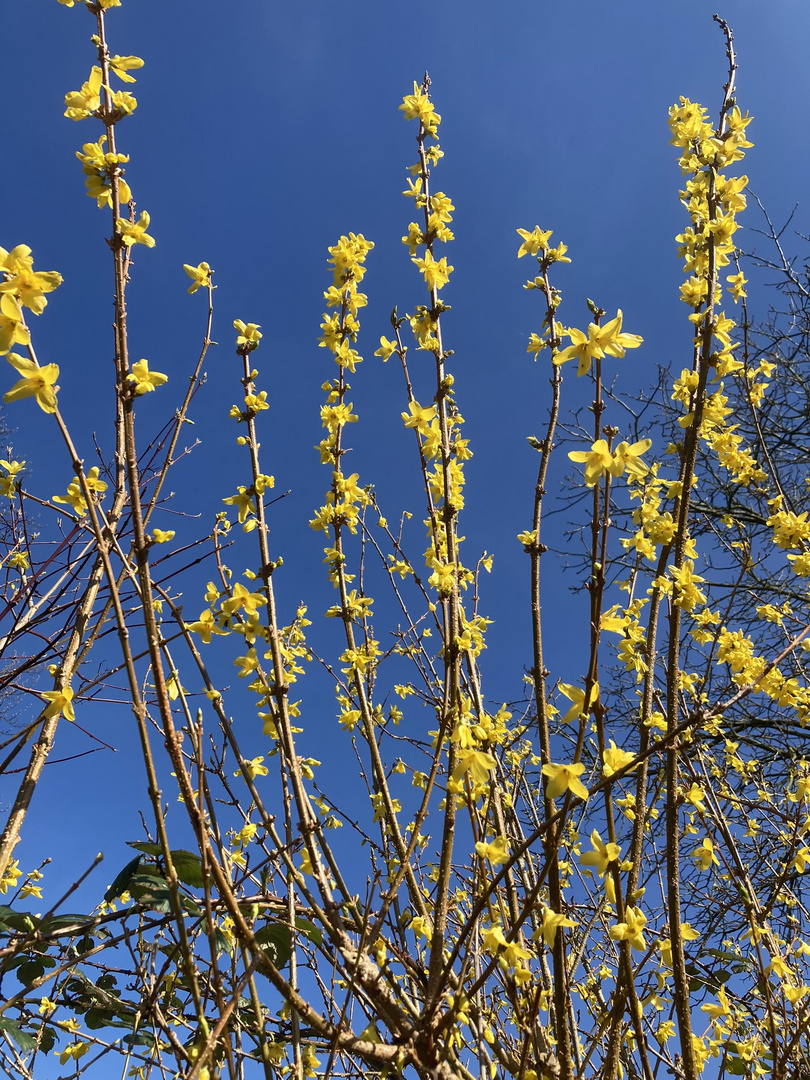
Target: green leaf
(64, 922)
(20, 1037)
(188, 868)
(275, 941)
(122, 881)
(30, 971)
(23, 921)
(310, 930)
(187, 865)
(151, 891)
(147, 849)
(221, 943)
(95, 1019)
(721, 954)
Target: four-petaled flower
(248, 336)
(577, 696)
(37, 382)
(562, 778)
(602, 855)
(704, 854)
(142, 380)
(599, 341)
(61, 703)
(200, 276)
(134, 232)
(436, 272)
(552, 922)
(534, 241)
(632, 929)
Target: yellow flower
(419, 106)
(122, 65)
(23, 282)
(551, 923)
(386, 349)
(200, 276)
(84, 102)
(243, 598)
(632, 929)
(75, 496)
(602, 855)
(143, 380)
(607, 340)
(61, 702)
(13, 330)
(737, 283)
(422, 927)
(205, 626)
(248, 336)
(243, 501)
(497, 850)
(562, 778)
(722, 1008)
(420, 417)
(11, 876)
(577, 696)
(134, 232)
(628, 456)
(37, 382)
(615, 759)
(695, 795)
(74, 1051)
(162, 537)
(477, 764)
(254, 768)
(534, 241)
(598, 460)
(704, 854)
(99, 168)
(436, 272)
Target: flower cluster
(713, 201)
(22, 286)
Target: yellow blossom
(704, 854)
(534, 241)
(37, 382)
(82, 103)
(200, 276)
(496, 851)
(248, 336)
(562, 778)
(615, 759)
(142, 380)
(436, 272)
(205, 626)
(632, 929)
(134, 232)
(551, 924)
(602, 855)
(578, 711)
(122, 65)
(254, 768)
(61, 703)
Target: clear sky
(264, 131)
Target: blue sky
(261, 136)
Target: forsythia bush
(609, 884)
